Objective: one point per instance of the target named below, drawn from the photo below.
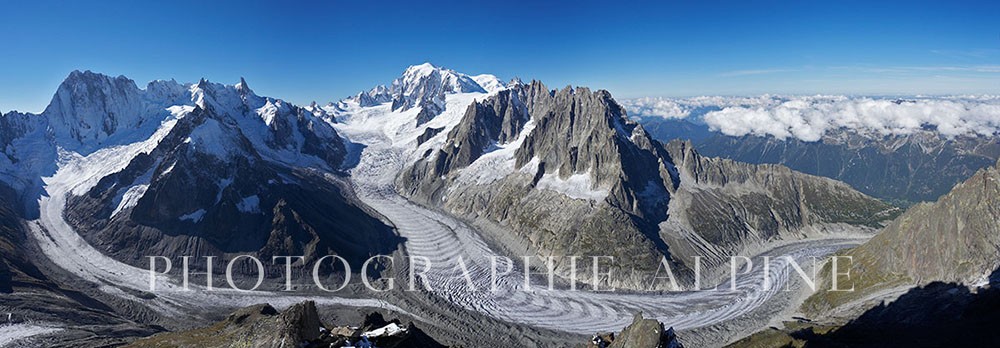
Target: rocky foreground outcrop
(935, 315)
(642, 333)
(297, 326)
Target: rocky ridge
(262, 325)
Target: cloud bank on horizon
(808, 118)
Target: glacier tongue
(390, 143)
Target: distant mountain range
(900, 150)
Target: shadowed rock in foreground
(936, 315)
(258, 325)
(298, 326)
(642, 333)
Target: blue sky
(323, 51)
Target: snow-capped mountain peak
(514, 82)
(377, 95)
(207, 94)
(424, 85)
(420, 69)
(423, 78)
(89, 108)
(92, 111)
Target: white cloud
(687, 107)
(809, 117)
(647, 106)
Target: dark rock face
(428, 134)
(15, 267)
(576, 131)
(302, 321)
(496, 120)
(646, 333)
(904, 168)
(579, 131)
(954, 240)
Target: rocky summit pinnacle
(561, 170)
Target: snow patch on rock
(194, 216)
(495, 164)
(129, 198)
(577, 186)
(249, 204)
